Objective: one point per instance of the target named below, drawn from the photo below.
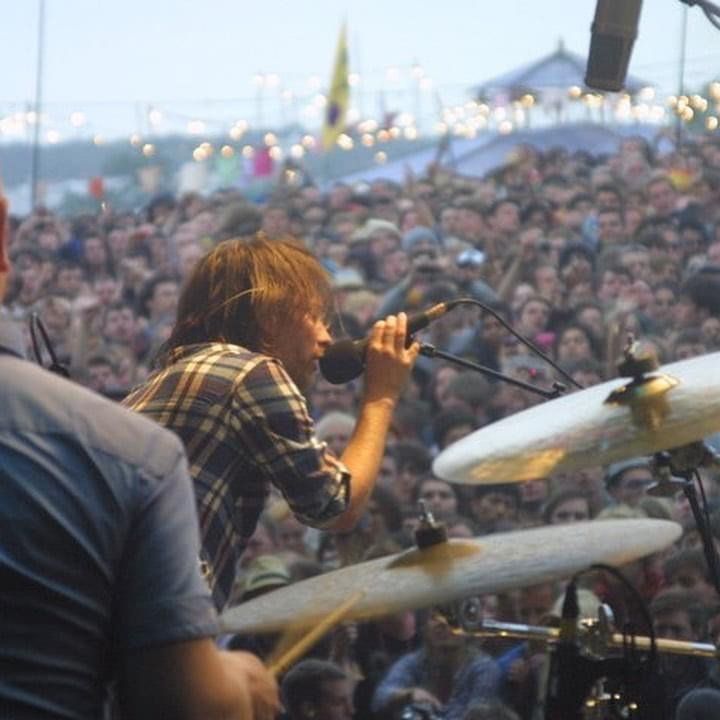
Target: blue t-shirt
(477, 680)
(98, 544)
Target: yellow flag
(338, 97)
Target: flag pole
(35, 162)
(337, 100)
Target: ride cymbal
(671, 407)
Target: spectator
(317, 690)
(451, 425)
(569, 506)
(447, 674)
(626, 481)
(679, 615)
(495, 507)
(440, 497)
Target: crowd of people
(218, 339)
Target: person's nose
(324, 337)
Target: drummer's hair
(303, 683)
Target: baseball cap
(265, 573)
(615, 470)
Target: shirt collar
(183, 351)
(11, 337)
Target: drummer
(102, 599)
(250, 329)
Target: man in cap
(626, 481)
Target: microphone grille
(342, 362)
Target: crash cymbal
(674, 406)
(452, 570)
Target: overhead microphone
(345, 360)
(613, 34)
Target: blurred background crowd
(575, 250)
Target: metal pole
(591, 638)
(681, 73)
(35, 168)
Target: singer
(250, 330)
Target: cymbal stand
(678, 470)
(558, 388)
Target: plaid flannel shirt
(245, 427)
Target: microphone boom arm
(431, 351)
(711, 10)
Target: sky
(115, 61)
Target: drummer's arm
(194, 681)
(388, 366)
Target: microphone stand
(534, 349)
(684, 462)
(711, 11)
(432, 352)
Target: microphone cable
(528, 343)
(37, 326)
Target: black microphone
(564, 697)
(345, 360)
(613, 34)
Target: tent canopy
(559, 70)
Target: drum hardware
(452, 570)
(601, 662)
(673, 406)
(429, 531)
(593, 639)
(645, 394)
(431, 351)
(557, 388)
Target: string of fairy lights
(299, 110)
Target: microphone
(345, 360)
(564, 696)
(613, 34)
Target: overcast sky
(111, 60)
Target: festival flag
(339, 95)
(96, 187)
(262, 162)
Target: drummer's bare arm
(194, 681)
(389, 364)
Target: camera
(418, 711)
(472, 258)
(427, 268)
